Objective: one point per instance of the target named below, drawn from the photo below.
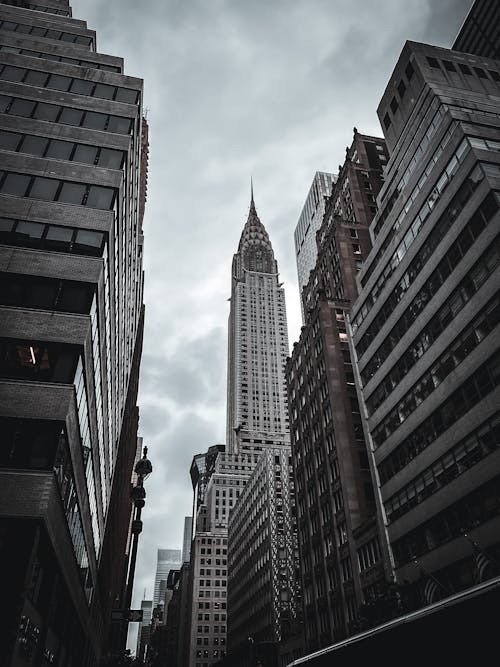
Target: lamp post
(143, 469)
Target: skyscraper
(341, 554)
(72, 189)
(258, 345)
(166, 560)
(426, 323)
(309, 222)
(187, 537)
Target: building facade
(186, 539)
(208, 567)
(257, 413)
(425, 325)
(342, 558)
(264, 600)
(166, 560)
(309, 222)
(480, 32)
(71, 286)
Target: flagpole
(431, 576)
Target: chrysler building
(257, 412)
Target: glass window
(126, 95)
(94, 120)
(81, 39)
(34, 78)
(6, 225)
(59, 149)
(67, 37)
(53, 34)
(58, 238)
(23, 108)
(29, 230)
(119, 125)
(72, 193)
(16, 184)
(4, 103)
(59, 82)
(110, 158)
(104, 91)
(71, 116)
(9, 141)
(44, 188)
(46, 111)
(89, 241)
(82, 87)
(34, 145)
(100, 197)
(85, 154)
(13, 73)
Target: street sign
(127, 615)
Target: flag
(483, 564)
(433, 589)
(430, 591)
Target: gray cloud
(233, 89)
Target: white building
(257, 412)
(309, 222)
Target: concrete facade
(425, 326)
(70, 325)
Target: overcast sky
(234, 89)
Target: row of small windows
(413, 231)
(43, 236)
(70, 84)
(31, 144)
(441, 228)
(409, 71)
(38, 8)
(27, 291)
(49, 33)
(409, 200)
(54, 113)
(468, 513)
(60, 59)
(416, 152)
(483, 441)
(462, 346)
(476, 387)
(464, 69)
(53, 189)
(481, 270)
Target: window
(433, 62)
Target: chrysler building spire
(258, 344)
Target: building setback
(72, 193)
(341, 560)
(426, 324)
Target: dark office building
(341, 553)
(480, 32)
(71, 202)
(426, 324)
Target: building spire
(252, 203)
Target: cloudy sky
(234, 89)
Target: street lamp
(143, 469)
